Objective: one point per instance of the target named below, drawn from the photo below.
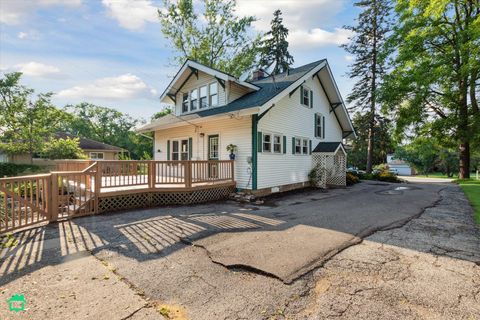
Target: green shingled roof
(269, 88)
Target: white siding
(288, 117)
(235, 91)
(235, 131)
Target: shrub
(12, 169)
(387, 176)
(352, 179)
(380, 176)
(63, 149)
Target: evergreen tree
(274, 49)
(370, 35)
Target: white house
(400, 166)
(283, 126)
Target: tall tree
(109, 126)
(274, 48)
(384, 144)
(435, 79)
(370, 35)
(216, 36)
(26, 122)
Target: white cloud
(297, 14)
(131, 15)
(318, 37)
(37, 69)
(305, 20)
(13, 12)
(31, 35)
(349, 58)
(125, 86)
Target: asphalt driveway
(220, 260)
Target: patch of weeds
(173, 312)
(164, 311)
(8, 241)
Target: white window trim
(281, 143)
(272, 137)
(270, 143)
(306, 88)
(198, 98)
(302, 139)
(97, 153)
(179, 140)
(321, 136)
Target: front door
(213, 154)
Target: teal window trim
(254, 151)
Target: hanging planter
(232, 148)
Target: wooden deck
(29, 200)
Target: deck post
(151, 174)
(54, 198)
(232, 168)
(98, 185)
(188, 174)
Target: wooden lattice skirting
(157, 199)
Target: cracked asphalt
(372, 251)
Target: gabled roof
(328, 147)
(89, 144)
(188, 69)
(266, 93)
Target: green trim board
(254, 151)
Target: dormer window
(193, 100)
(203, 97)
(213, 94)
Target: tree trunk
(463, 131)
(464, 160)
(371, 128)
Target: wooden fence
(30, 200)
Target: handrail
(41, 175)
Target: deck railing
(28, 200)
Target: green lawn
(436, 175)
(471, 188)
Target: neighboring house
(94, 150)
(400, 166)
(283, 126)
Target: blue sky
(112, 53)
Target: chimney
(258, 75)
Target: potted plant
(232, 148)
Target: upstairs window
(193, 100)
(306, 96)
(319, 126)
(213, 87)
(96, 155)
(203, 97)
(185, 102)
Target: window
(319, 126)
(193, 99)
(213, 94)
(203, 97)
(306, 96)
(180, 149)
(305, 146)
(185, 102)
(267, 142)
(277, 144)
(298, 146)
(96, 155)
